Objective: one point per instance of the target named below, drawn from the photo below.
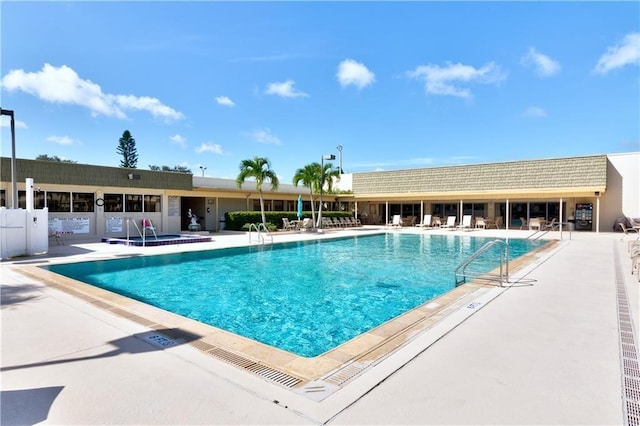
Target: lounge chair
(345, 223)
(337, 223)
(426, 222)
(466, 222)
(396, 222)
(451, 222)
(628, 231)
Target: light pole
(339, 148)
(203, 169)
(14, 185)
(324, 157)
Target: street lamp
(324, 157)
(203, 169)
(14, 168)
(339, 148)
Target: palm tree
(309, 175)
(255, 168)
(327, 176)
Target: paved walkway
(546, 351)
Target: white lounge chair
(466, 222)
(396, 222)
(426, 222)
(451, 222)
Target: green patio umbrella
(299, 207)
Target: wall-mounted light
(130, 176)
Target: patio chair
(287, 225)
(426, 222)
(466, 222)
(451, 222)
(337, 223)
(628, 231)
(551, 226)
(396, 222)
(436, 222)
(534, 223)
(523, 223)
(480, 223)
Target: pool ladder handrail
(504, 260)
(260, 230)
(142, 233)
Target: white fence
(23, 233)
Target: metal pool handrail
(504, 260)
(259, 230)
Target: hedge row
(236, 221)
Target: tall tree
(258, 168)
(309, 176)
(127, 148)
(328, 175)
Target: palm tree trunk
(264, 218)
(313, 210)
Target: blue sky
(397, 84)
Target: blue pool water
(304, 297)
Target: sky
(397, 85)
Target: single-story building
(86, 200)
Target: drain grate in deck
(255, 367)
(345, 374)
(628, 350)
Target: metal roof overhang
(537, 193)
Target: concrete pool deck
(544, 352)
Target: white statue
(193, 217)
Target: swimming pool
(303, 297)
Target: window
(83, 202)
(59, 202)
(3, 198)
(152, 203)
(134, 203)
(113, 203)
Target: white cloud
(225, 101)
(145, 103)
(61, 140)
(63, 85)
(265, 136)
(284, 89)
(444, 80)
(179, 139)
(5, 121)
(625, 53)
(354, 73)
(210, 147)
(543, 64)
(534, 112)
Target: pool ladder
(503, 277)
(143, 232)
(261, 231)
